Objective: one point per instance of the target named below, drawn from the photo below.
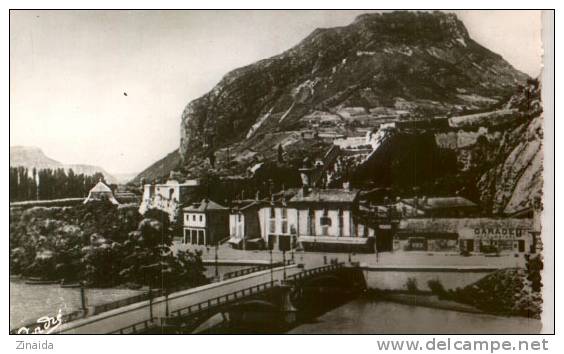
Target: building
(317, 220)
(205, 223)
(169, 197)
(437, 207)
(124, 196)
(101, 192)
(325, 220)
(466, 235)
(244, 225)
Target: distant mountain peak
(34, 157)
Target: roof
(246, 204)
(100, 187)
(284, 194)
(317, 195)
(440, 203)
(331, 239)
(205, 205)
(173, 182)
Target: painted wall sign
(492, 233)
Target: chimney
(424, 200)
(347, 186)
(257, 196)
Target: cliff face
(504, 162)
(419, 63)
(514, 180)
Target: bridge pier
(287, 309)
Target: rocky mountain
(422, 63)
(513, 179)
(31, 156)
(159, 169)
(346, 82)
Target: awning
(334, 240)
(235, 241)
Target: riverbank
(30, 302)
(422, 299)
(504, 292)
(387, 259)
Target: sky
(69, 71)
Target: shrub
(411, 285)
(437, 287)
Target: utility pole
(82, 296)
(271, 269)
(284, 262)
(216, 261)
(151, 302)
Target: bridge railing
(223, 299)
(201, 306)
(259, 268)
(314, 271)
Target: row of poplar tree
(46, 184)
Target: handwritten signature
(45, 325)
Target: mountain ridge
(32, 156)
(345, 81)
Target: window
(193, 217)
(341, 222)
(201, 237)
(284, 226)
(325, 222)
(272, 226)
(201, 218)
(311, 222)
(272, 213)
(239, 217)
(284, 223)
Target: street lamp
(284, 262)
(82, 296)
(271, 269)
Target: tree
(280, 153)
(534, 267)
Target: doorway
(384, 240)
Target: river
(366, 316)
(30, 302)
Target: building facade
(205, 223)
(467, 235)
(316, 220)
(244, 225)
(169, 197)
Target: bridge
(269, 294)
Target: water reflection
(379, 317)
